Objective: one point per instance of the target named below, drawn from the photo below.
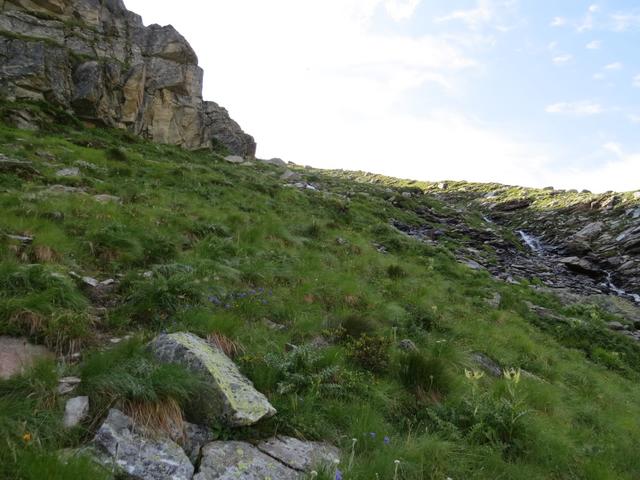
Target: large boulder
(236, 401)
(240, 460)
(120, 445)
(99, 60)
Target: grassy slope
(229, 246)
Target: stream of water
(530, 241)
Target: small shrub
(396, 272)
(355, 326)
(117, 154)
(370, 352)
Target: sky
(523, 92)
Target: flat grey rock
(75, 411)
(298, 454)
(137, 456)
(17, 355)
(240, 461)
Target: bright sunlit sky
(528, 92)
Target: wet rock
(137, 456)
(581, 265)
(240, 460)
(300, 455)
(75, 411)
(236, 401)
(17, 355)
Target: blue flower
(387, 440)
(372, 434)
(338, 475)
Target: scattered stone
(240, 460)
(67, 385)
(65, 189)
(68, 172)
(487, 364)
(617, 326)
(290, 175)
(75, 411)
(238, 403)
(319, 342)
(406, 194)
(106, 198)
(636, 195)
(17, 355)
(92, 282)
(18, 167)
(276, 161)
(26, 240)
(137, 455)
(278, 327)
(472, 264)
(513, 205)
(299, 455)
(581, 265)
(195, 437)
(234, 159)
(407, 345)
(495, 300)
(443, 185)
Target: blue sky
(515, 91)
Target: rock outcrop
(97, 59)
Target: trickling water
(487, 219)
(530, 241)
(618, 291)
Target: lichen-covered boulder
(240, 460)
(235, 401)
(300, 455)
(122, 447)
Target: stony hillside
(196, 315)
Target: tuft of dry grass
(157, 418)
(230, 347)
(27, 320)
(45, 254)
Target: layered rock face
(96, 58)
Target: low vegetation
(311, 291)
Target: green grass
(201, 245)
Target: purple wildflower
(372, 434)
(387, 440)
(338, 475)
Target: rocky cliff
(97, 59)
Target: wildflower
(27, 437)
(314, 474)
(473, 374)
(395, 473)
(387, 440)
(372, 434)
(512, 374)
(338, 475)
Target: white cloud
(594, 45)
(401, 9)
(562, 59)
(614, 66)
(594, 8)
(599, 76)
(558, 22)
(636, 81)
(474, 17)
(634, 118)
(580, 109)
(623, 21)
